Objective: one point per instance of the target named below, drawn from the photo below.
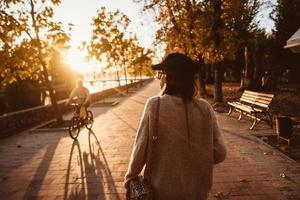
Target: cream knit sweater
(182, 166)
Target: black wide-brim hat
(177, 63)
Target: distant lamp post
(293, 43)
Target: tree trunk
(202, 85)
(125, 73)
(201, 75)
(247, 80)
(44, 67)
(208, 73)
(118, 75)
(257, 81)
(258, 69)
(244, 75)
(140, 73)
(58, 114)
(298, 82)
(118, 78)
(218, 94)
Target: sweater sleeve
(139, 152)
(218, 141)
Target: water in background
(99, 85)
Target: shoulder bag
(140, 187)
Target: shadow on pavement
(99, 168)
(93, 175)
(40, 173)
(77, 192)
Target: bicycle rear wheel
(74, 127)
(89, 120)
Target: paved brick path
(50, 165)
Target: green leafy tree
(28, 33)
(243, 16)
(107, 38)
(181, 27)
(135, 60)
(18, 63)
(200, 29)
(141, 62)
(286, 16)
(111, 41)
(210, 31)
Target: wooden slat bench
(255, 105)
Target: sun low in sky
(81, 12)
(77, 61)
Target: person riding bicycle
(81, 96)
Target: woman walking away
(182, 134)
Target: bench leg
(254, 123)
(271, 120)
(240, 117)
(230, 110)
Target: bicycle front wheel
(89, 120)
(74, 127)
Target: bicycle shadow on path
(88, 174)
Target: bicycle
(77, 121)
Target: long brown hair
(182, 85)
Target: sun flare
(76, 60)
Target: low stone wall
(24, 119)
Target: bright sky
(264, 15)
(80, 13)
